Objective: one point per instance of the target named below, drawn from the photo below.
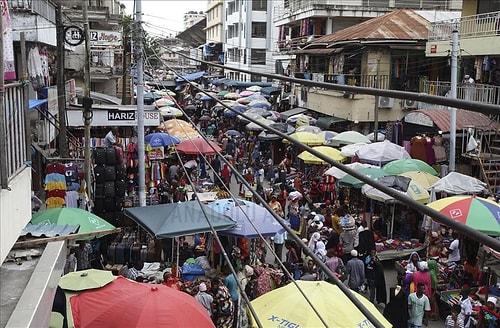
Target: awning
(270, 90)
(325, 121)
(190, 77)
(297, 110)
(320, 51)
(36, 102)
(178, 219)
(441, 118)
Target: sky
(164, 17)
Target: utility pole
(4, 181)
(87, 101)
(140, 103)
(61, 92)
(453, 110)
(375, 116)
(23, 67)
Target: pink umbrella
(246, 93)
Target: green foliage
(151, 47)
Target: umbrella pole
(177, 260)
(392, 221)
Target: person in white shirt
(204, 298)
(454, 249)
(419, 308)
(111, 137)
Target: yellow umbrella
(330, 152)
(424, 178)
(86, 279)
(183, 135)
(287, 304)
(306, 138)
(174, 123)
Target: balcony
(294, 44)
(476, 26)
(106, 63)
(43, 8)
(484, 93)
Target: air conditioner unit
(385, 102)
(410, 104)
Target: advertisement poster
(156, 153)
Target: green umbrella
(222, 93)
(72, 216)
(86, 279)
(370, 172)
(406, 165)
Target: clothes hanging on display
(439, 150)
(429, 151)
(418, 148)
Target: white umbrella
(380, 136)
(349, 137)
(191, 164)
(350, 150)
(457, 184)
(381, 152)
(339, 174)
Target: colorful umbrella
(275, 307)
(246, 93)
(327, 134)
(161, 139)
(380, 136)
(260, 111)
(260, 104)
(225, 204)
(339, 174)
(370, 172)
(424, 178)
(349, 137)
(236, 108)
(86, 279)
(251, 115)
(174, 123)
(126, 303)
(88, 222)
(231, 95)
(478, 213)
(306, 138)
(381, 152)
(162, 102)
(170, 112)
(222, 93)
(330, 152)
(198, 146)
(408, 164)
(233, 133)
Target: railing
(475, 26)
(485, 93)
(15, 155)
(294, 44)
(43, 8)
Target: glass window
(259, 5)
(259, 30)
(258, 57)
(488, 6)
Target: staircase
(487, 157)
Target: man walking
(356, 269)
(419, 308)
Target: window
(259, 5)
(488, 6)
(259, 29)
(258, 57)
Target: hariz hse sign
(105, 38)
(114, 118)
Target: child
(453, 320)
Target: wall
(15, 210)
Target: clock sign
(73, 35)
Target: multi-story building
(300, 22)
(213, 49)
(248, 37)
(192, 17)
(478, 31)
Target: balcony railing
(285, 46)
(43, 8)
(484, 93)
(475, 26)
(15, 155)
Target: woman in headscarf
(423, 276)
(315, 237)
(263, 281)
(433, 271)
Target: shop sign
(156, 153)
(419, 119)
(114, 117)
(105, 38)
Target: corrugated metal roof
(49, 230)
(465, 119)
(403, 24)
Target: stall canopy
(294, 111)
(441, 119)
(325, 121)
(190, 77)
(178, 219)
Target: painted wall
(15, 210)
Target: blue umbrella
(226, 204)
(262, 219)
(161, 139)
(206, 97)
(233, 133)
(237, 107)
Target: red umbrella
(126, 303)
(198, 146)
